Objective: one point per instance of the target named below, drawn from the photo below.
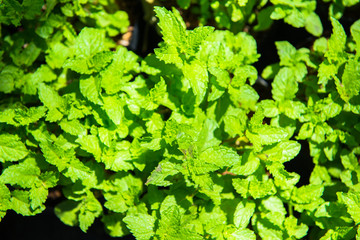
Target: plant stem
(290, 209)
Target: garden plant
(200, 137)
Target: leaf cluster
(178, 145)
(235, 15)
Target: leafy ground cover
(201, 137)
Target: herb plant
(178, 145)
(235, 14)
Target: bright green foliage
(12, 149)
(141, 225)
(243, 212)
(178, 145)
(328, 104)
(298, 14)
(82, 211)
(351, 201)
(336, 8)
(235, 14)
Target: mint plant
(324, 102)
(178, 145)
(259, 15)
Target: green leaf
(74, 127)
(122, 190)
(124, 64)
(57, 55)
(78, 170)
(235, 122)
(118, 157)
(242, 234)
(243, 213)
(89, 42)
(197, 75)
(282, 152)
(90, 209)
(337, 40)
(25, 56)
(11, 12)
(91, 144)
(114, 224)
(319, 175)
(5, 197)
(9, 75)
(313, 24)
(355, 33)
(286, 52)
(349, 160)
(307, 193)
(83, 213)
(246, 96)
(253, 187)
(306, 131)
(221, 76)
(157, 95)
(161, 172)
(19, 115)
(273, 204)
(53, 101)
(320, 45)
(11, 148)
(114, 108)
(20, 203)
(213, 220)
(43, 74)
(266, 135)
(293, 109)
(90, 89)
(172, 225)
(141, 225)
(115, 202)
(284, 86)
(183, 3)
(263, 19)
(352, 201)
(250, 163)
(282, 178)
(31, 8)
(206, 137)
(49, 97)
(7, 84)
(38, 196)
(56, 155)
(39, 193)
(270, 71)
(266, 228)
(195, 37)
(269, 107)
(169, 54)
(114, 23)
(327, 108)
(294, 230)
(172, 28)
(155, 124)
(351, 79)
(215, 158)
(24, 174)
(78, 108)
(67, 212)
